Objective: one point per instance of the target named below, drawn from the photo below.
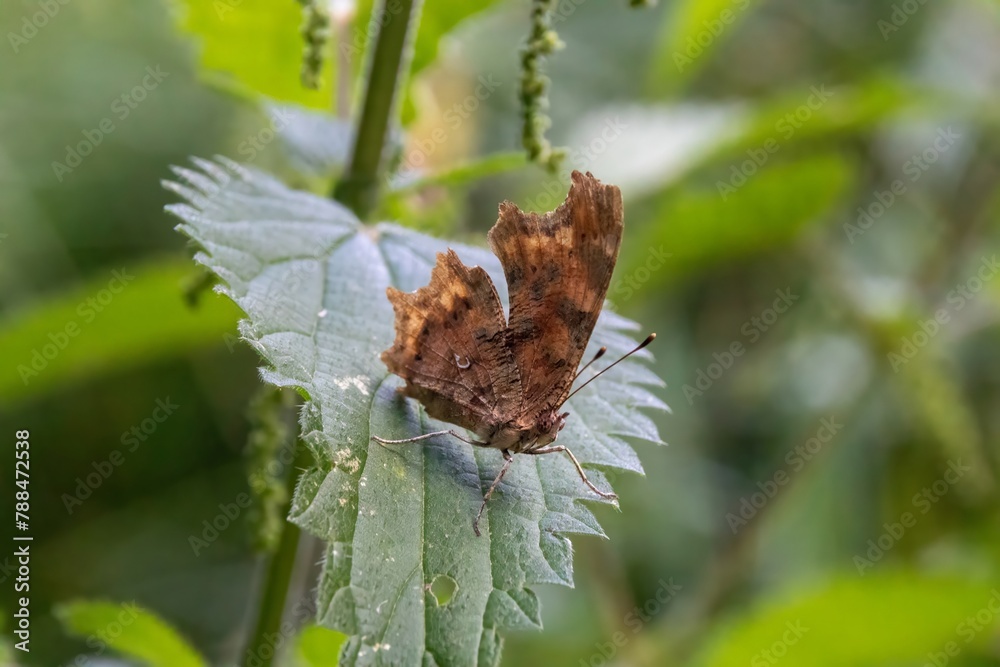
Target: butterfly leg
(425, 436)
(507, 460)
(579, 468)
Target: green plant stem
(358, 189)
(271, 608)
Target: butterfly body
(518, 438)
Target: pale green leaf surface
(130, 631)
(312, 281)
(316, 143)
(889, 618)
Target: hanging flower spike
(542, 41)
(315, 33)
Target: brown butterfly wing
(451, 347)
(558, 267)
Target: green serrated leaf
(312, 281)
(891, 618)
(129, 630)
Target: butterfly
(507, 381)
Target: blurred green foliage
(128, 630)
(900, 71)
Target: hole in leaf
(443, 589)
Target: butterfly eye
(462, 362)
(562, 420)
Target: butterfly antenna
(649, 339)
(600, 353)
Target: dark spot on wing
(570, 313)
(529, 331)
(515, 274)
(597, 276)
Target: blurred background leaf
(667, 137)
(317, 646)
(130, 631)
(890, 618)
(128, 317)
(252, 47)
